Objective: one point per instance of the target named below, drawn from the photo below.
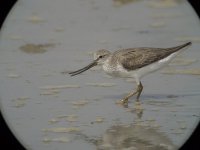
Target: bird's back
(135, 58)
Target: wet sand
(47, 109)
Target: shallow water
(47, 109)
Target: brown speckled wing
(135, 58)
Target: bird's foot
(123, 101)
(138, 109)
(137, 102)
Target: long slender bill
(94, 63)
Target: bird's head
(100, 57)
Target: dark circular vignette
(195, 4)
(9, 141)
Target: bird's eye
(100, 56)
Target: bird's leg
(125, 99)
(138, 92)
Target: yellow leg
(125, 99)
(138, 92)
(139, 89)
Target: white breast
(116, 70)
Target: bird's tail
(177, 48)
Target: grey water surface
(49, 110)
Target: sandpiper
(133, 63)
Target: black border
(196, 5)
(8, 140)
(5, 6)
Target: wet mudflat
(47, 109)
